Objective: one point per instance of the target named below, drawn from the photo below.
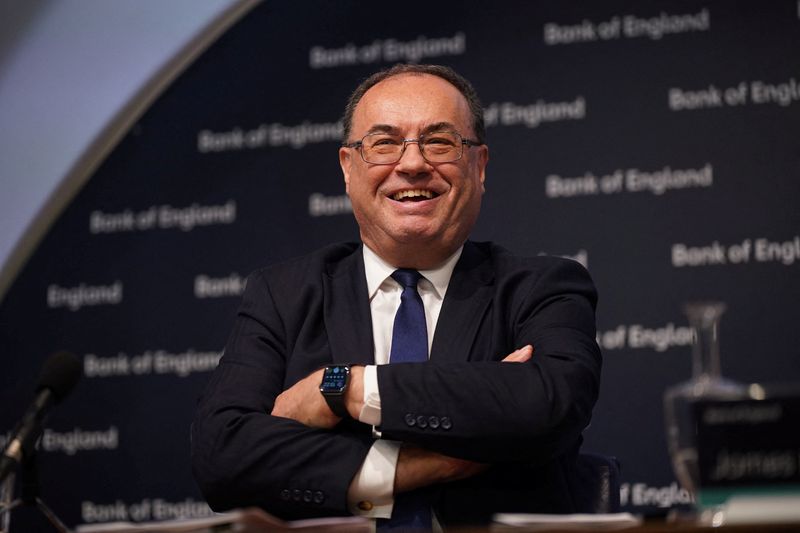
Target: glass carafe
(707, 383)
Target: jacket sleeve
(241, 455)
(485, 410)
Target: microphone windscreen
(60, 373)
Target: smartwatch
(335, 381)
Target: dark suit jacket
(525, 419)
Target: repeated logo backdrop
(656, 143)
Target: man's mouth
(414, 195)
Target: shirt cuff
(371, 493)
(371, 411)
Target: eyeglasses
(387, 149)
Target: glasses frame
(360, 145)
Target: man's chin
(416, 236)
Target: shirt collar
(377, 270)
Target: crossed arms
(263, 434)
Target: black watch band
(335, 380)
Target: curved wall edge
(110, 135)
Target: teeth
(413, 193)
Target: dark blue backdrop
(655, 142)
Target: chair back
(598, 483)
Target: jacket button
(307, 496)
(410, 420)
(285, 494)
(422, 421)
(319, 496)
(297, 495)
(445, 422)
(433, 422)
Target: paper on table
(532, 522)
(761, 509)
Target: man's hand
(519, 356)
(417, 467)
(304, 402)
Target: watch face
(335, 379)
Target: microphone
(60, 373)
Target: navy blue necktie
(412, 512)
(410, 333)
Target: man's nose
(411, 161)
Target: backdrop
(654, 142)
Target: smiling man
(415, 208)
(417, 377)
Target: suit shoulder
(516, 276)
(506, 262)
(309, 266)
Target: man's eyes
(439, 140)
(392, 141)
(431, 139)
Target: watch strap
(336, 403)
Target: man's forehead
(422, 101)
(422, 85)
(423, 127)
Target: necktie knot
(406, 277)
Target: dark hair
(446, 73)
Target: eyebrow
(383, 128)
(439, 126)
(394, 130)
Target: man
(490, 423)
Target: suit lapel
(466, 301)
(346, 309)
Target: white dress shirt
(371, 494)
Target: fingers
(520, 355)
(418, 467)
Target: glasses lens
(381, 148)
(441, 147)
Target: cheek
(357, 183)
(362, 190)
(371, 180)
(472, 189)
(473, 195)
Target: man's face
(423, 229)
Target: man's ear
(345, 155)
(483, 160)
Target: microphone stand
(29, 478)
(60, 374)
